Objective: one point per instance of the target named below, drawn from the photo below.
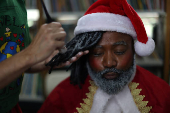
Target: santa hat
(119, 16)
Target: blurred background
(155, 15)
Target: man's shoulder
(150, 83)
(67, 93)
(155, 90)
(148, 77)
(66, 87)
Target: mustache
(114, 70)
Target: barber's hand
(49, 38)
(41, 66)
(73, 59)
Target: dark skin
(114, 50)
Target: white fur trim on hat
(144, 49)
(105, 22)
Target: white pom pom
(145, 49)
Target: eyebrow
(116, 43)
(98, 46)
(120, 43)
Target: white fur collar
(120, 103)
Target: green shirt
(14, 36)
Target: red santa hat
(119, 16)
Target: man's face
(110, 63)
(114, 50)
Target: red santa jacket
(65, 98)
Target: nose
(109, 61)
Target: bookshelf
(167, 46)
(32, 87)
(148, 5)
(55, 6)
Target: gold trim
(86, 106)
(138, 99)
(142, 105)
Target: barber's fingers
(56, 27)
(86, 52)
(59, 44)
(73, 59)
(54, 24)
(80, 54)
(60, 36)
(62, 65)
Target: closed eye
(119, 52)
(97, 54)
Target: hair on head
(79, 43)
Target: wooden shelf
(167, 45)
(31, 98)
(153, 13)
(149, 62)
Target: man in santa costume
(107, 80)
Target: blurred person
(107, 80)
(18, 54)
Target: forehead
(113, 37)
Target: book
(83, 4)
(63, 5)
(67, 5)
(157, 4)
(29, 84)
(80, 3)
(74, 5)
(134, 4)
(152, 4)
(39, 90)
(140, 4)
(34, 85)
(87, 4)
(144, 4)
(58, 5)
(148, 4)
(54, 5)
(24, 84)
(162, 5)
